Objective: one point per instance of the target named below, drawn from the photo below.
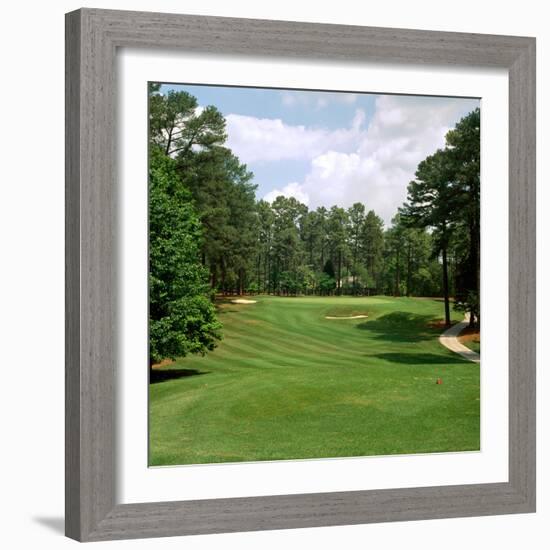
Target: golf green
(288, 383)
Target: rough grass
(473, 345)
(286, 383)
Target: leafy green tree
(287, 245)
(224, 193)
(306, 279)
(311, 233)
(373, 247)
(395, 253)
(356, 216)
(264, 226)
(416, 258)
(177, 125)
(430, 203)
(463, 144)
(338, 230)
(322, 228)
(445, 197)
(325, 283)
(242, 227)
(328, 269)
(182, 317)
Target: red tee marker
(439, 381)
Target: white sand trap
(352, 317)
(243, 301)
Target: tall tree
(338, 228)
(177, 125)
(463, 144)
(356, 216)
(287, 245)
(181, 315)
(224, 194)
(311, 232)
(431, 203)
(243, 225)
(264, 245)
(396, 254)
(445, 197)
(373, 247)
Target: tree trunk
(408, 291)
(446, 287)
(397, 274)
(223, 277)
(474, 267)
(214, 277)
(267, 275)
(355, 254)
(339, 273)
(241, 281)
(259, 272)
(169, 142)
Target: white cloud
(270, 139)
(358, 120)
(373, 166)
(291, 190)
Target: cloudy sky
(327, 148)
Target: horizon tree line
(210, 235)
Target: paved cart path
(450, 340)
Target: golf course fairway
(288, 383)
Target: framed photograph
(283, 243)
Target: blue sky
(329, 148)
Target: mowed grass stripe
(269, 336)
(271, 344)
(287, 383)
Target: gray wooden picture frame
(92, 39)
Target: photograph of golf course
(314, 274)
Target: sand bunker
(243, 301)
(352, 317)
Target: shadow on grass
(224, 310)
(158, 375)
(419, 358)
(225, 305)
(400, 326)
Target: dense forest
(209, 234)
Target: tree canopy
(445, 197)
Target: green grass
(286, 383)
(473, 345)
